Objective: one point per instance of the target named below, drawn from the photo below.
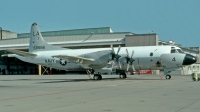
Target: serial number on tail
(38, 47)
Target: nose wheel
(168, 76)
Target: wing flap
(73, 58)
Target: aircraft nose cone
(189, 59)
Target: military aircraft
(141, 58)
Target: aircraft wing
(22, 53)
(82, 61)
(73, 58)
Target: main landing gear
(122, 76)
(97, 76)
(122, 73)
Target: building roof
(86, 31)
(68, 41)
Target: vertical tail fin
(37, 43)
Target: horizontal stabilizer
(8, 55)
(22, 53)
(66, 57)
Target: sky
(177, 20)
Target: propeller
(130, 60)
(115, 56)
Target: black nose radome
(189, 59)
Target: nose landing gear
(168, 76)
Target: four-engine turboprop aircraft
(142, 58)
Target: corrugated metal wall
(141, 40)
(8, 34)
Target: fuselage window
(173, 51)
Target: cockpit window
(173, 50)
(179, 50)
(176, 50)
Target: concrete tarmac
(77, 93)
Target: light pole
(1, 33)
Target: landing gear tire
(168, 76)
(122, 76)
(97, 77)
(196, 79)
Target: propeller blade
(112, 48)
(127, 67)
(118, 49)
(160, 61)
(111, 45)
(119, 65)
(127, 53)
(133, 67)
(113, 64)
(132, 53)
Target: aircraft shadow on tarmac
(5, 86)
(88, 80)
(81, 80)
